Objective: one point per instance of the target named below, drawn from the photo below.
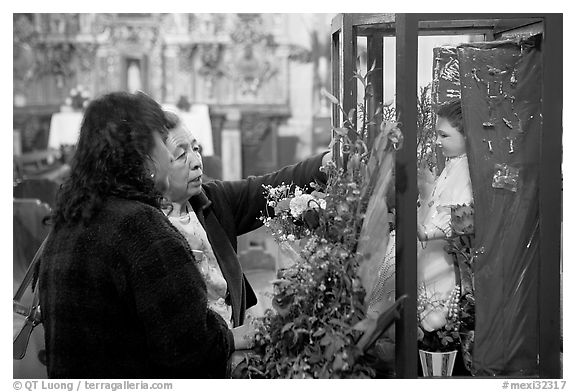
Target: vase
(437, 364)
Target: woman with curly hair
(120, 293)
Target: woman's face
(161, 164)
(449, 138)
(186, 173)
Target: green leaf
(295, 337)
(341, 131)
(326, 340)
(360, 78)
(330, 97)
(339, 343)
(287, 326)
(351, 113)
(330, 350)
(338, 363)
(372, 68)
(347, 281)
(315, 358)
(338, 322)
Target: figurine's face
(186, 173)
(449, 138)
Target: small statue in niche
(183, 104)
(253, 72)
(133, 77)
(78, 98)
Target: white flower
(433, 318)
(291, 237)
(302, 202)
(299, 204)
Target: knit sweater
(121, 297)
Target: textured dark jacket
(227, 209)
(122, 298)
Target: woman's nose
(195, 161)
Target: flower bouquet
(319, 301)
(296, 215)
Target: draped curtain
(501, 98)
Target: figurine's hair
(452, 111)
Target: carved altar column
(169, 74)
(231, 139)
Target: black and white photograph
(288, 195)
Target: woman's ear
(159, 165)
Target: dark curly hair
(112, 156)
(452, 111)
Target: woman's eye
(196, 148)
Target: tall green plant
(355, 125)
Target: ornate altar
(232, 62)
